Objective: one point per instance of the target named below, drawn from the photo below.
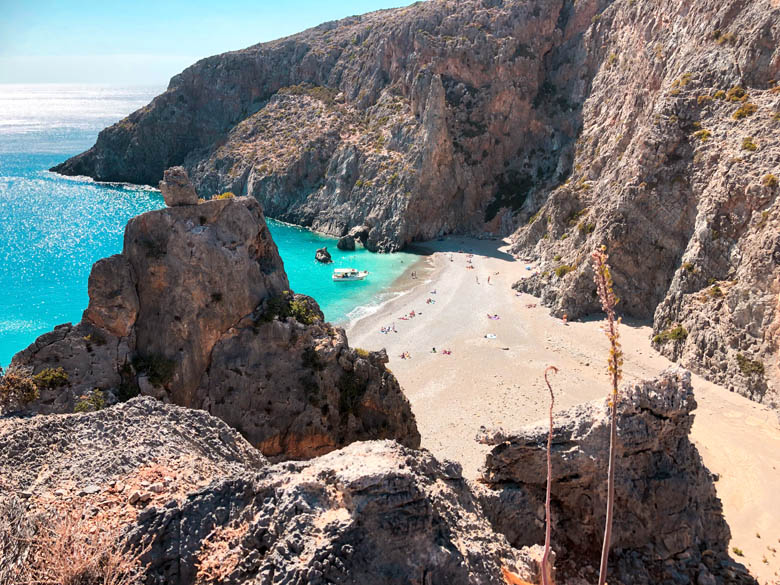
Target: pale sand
(483, 384)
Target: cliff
(196, 311)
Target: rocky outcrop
(177, 189)
(210, 509)
(668, 524)
(372, 512)
(322, 255)
(196, 311)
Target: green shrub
(720, 95)
(563, 270)
(226, 195)
(364, 353)
(286, 305)
(704, 99)
(704, 135)
(17, 388)
(586, 228)
(350, 392)
(534, 217)
(747, 109)
(51, 378)
(322, 93)
(736, 94)
(750, 367)
(715, 292)
(90, 402)
(689, 267)
(157, 368)
(738, 551)
(557, 258)
(730, 38)
(769, 180)
(678, 333)
(748, 144)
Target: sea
(53, 228)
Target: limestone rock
(346, 243)
(197, 311)
(373, 512)
(177, 189)
(323, 256)
(668, 517)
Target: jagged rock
(102, 447)
(196, 311)
(177, 189)
(323, 256)
(373, 512)
(346, 243)
(668, 518)
(360, 232)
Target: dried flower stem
(546, 569)
(603, 279)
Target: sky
(145, 42)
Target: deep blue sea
(53, 228)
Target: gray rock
(322, 255)
(373, 512)
(177, 189)
(346, 243)
(667, 513)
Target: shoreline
(498, 382)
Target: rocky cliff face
(675, 171)
(668, 524)
(196, 311)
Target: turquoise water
(52, 228)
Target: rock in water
(177, 189)
(323, 256)
(668, 519)
(346, 243)
(196, 311)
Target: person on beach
(433, 350)
(477, 277)
(488, 279)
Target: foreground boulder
(668, 525)
(211, 510)
(177, 189)
(197, 311)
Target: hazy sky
(145, 41)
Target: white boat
(347, 274)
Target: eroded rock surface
(177, 189)
(211, 509)
(668, 524)
(322, 255)
(196, 311)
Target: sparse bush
(158, 368)
(730, 38)
(17, 388)
(586, 228)
(704, 135)
(563, 270)
(749, 144)
(364, 353)
(286, 305)
(738, 551)
(720, 95)
(557, 257)
(326, 95)
(226, 195)
(51, 378)
(689, 267)
(704, 99)
(736, 94)
(678, 333)
(750, 367)
(91, 401)
(747, 109)
(715, 292)
(769, 180)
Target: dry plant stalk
(220, 555)
(603, 279)
(546, 568)
(73, 550)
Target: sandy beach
(493, 377)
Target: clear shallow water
(52, 228)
